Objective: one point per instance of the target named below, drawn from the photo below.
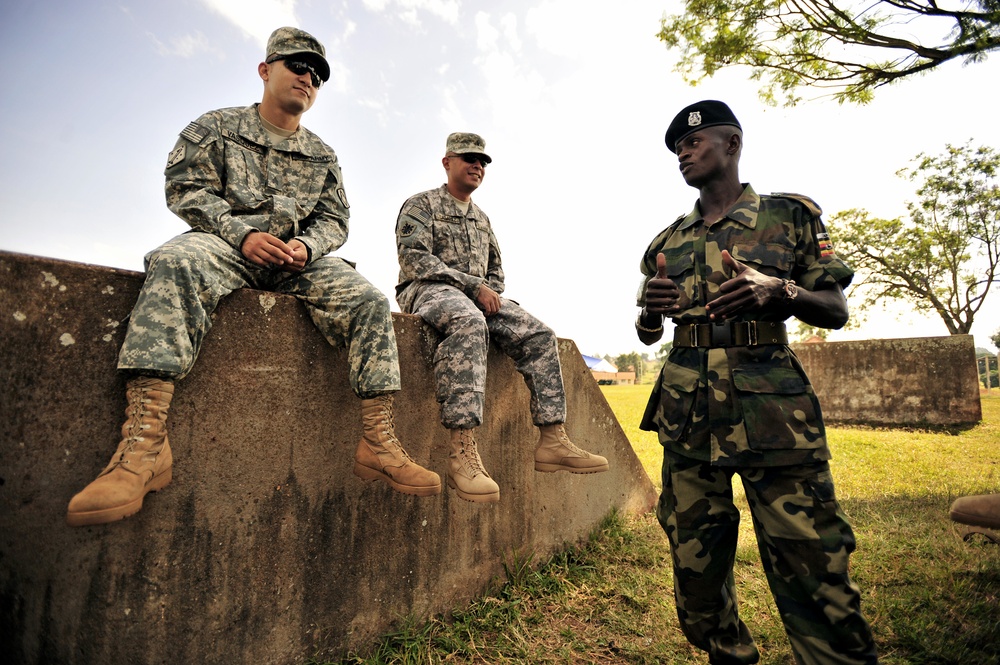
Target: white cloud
(509, 24)
(451, 114)
(257, 18)
(409, 10)
(187, 46)
(487, 37)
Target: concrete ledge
(265, 548)
(924, 381)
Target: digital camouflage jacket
(226, 176)
(749, 405)
(437, 243)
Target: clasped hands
(264, 249)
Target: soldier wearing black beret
(732, 399)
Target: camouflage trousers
(187, 277)
(460, 357)
(804, 541)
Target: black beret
(700, 115)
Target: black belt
(732, 333)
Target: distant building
(607, 374)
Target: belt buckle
(744, 333)
(720, 335)
(692, 335)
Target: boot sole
(974, 520)
(115, 513)
(493, 497)
(368, 474)
(545, 467)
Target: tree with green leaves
(996, 338)
(630, 362)
(805, 331)
(945, 258)
(848, 48)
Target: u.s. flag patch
(825, 245)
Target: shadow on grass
(931, 596)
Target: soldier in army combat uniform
(265, 201)
(451, 276)
(732, 398)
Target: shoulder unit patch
(176, 156)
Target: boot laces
(137, 400)
(565, 441)
(390, 429)
(470, 456)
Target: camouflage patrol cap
(292, 41)
(463, 143)
(708, 113)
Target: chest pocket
(451, 240)
(682, 270)
(774, 259)
(298, 178)
(245, 176)
(479, 245)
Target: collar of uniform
(450, 204)
(744, 211)
(252, 129)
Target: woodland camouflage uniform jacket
(745, 405)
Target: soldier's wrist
(646, 322)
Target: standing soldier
(450, 275)
(265, 200)
(732, 398)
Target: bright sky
(572, 96)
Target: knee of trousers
(467, 325)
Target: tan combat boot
(555, 452)
(380, 455)
(978, 510)
(141, 464)
(466, 474)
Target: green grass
(931, 597)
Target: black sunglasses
(300, 67)
(472, 158)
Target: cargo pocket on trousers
(830, 523)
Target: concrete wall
(265, 548)
(912, 382)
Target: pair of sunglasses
(300, 67)
(472, 158)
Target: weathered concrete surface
(912, 382)
(265, 548)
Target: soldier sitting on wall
(450, 275)
(265, 201)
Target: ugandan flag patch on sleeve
(825, 245)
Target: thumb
(661, 266)
(734, 265)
